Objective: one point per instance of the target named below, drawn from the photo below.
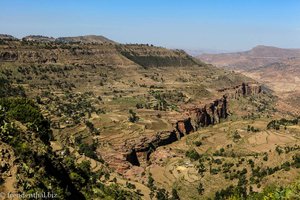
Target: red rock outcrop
(136, 152)
(210, 114)
(245, 89)
(197, 117)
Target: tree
(265, 158)
(200, 188)
(175, 195)
(150, 181)
(91, 127)
(162, 194)
(85, 166)
(133, 117)
(193, 154)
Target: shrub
(192, 154)
(133, 117)
(175, 195)
(25, 111)
(200, 188)
(198, 143)
(87, 149)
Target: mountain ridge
(122, 117)
(279, 68)
(257, 56)
(87, 39)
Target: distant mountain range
(197, 52)
(98, 39)
(257, 57)
(276, 67)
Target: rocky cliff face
(38, 38)
(136, 152)
(246, 89)
(91, 49)
(150, 56)
(210, 114)
(28, 56)
(197, 117)
(62, 54)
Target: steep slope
(122, 104)
(29, 167)
(151, 56)
(277, 68)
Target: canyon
(136, 152)
(137, 118)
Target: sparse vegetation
(161, 111)
(275, 124)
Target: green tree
(133, 117)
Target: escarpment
(157, 81)
(210, 114)
(245, 89)
(198, 117)
(28, 56)
(137, 151)
(150, 56)
(59, 54)
(41, 49)
(8, 56)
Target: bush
(175, 195)
(150, 181)
(133, 117)
(25, 111)
(193, 154)
(275, 124)
(198, 143)
(265, 158)
(88, 150)
(85, 167)
(91, 127)
(200, 188)
(77, 179)
(296, 159)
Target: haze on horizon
(207, 24)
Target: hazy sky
(188, 24)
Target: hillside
(85, 39)
(277, 68)
(259, 56)
(138, 122)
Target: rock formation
(38, 38)
(246, 89)
(136, 152)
